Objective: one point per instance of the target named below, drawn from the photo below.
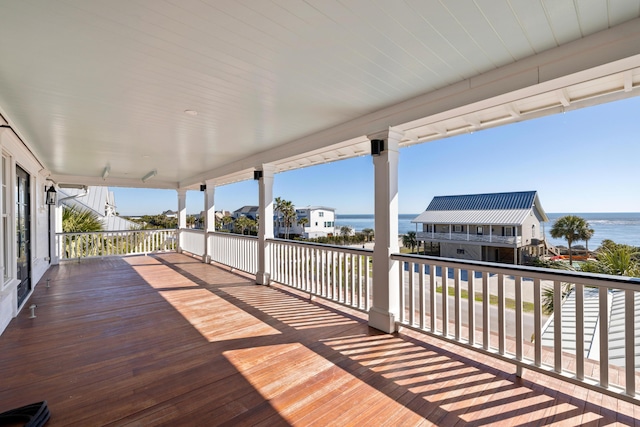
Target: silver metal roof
(492, 217)
(96, 200)
(617, 332)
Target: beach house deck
(198, 95)
(167, 339)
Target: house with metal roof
(495, 227)
(99, 200)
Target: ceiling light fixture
(191, 112)
(106, 172)
(149, 175)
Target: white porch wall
(19, 155)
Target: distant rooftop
(508, 209)
(490, 201)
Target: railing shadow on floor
(417, 374)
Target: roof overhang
(503, 217)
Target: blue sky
(580, 161)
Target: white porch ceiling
(92, 83)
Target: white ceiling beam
(563, 97)
(112, 181)
(628, 81)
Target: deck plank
(168, 340)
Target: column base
(206, 259)
(263, 278)
(382, 320)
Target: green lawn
(493, 299)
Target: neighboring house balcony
(427, 236)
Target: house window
(320, 214)
(4, 231)
(460, 251)
(508, 231)
(533, 231)
(457, 229)
(479, 231)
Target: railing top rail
(349, 249)
(233, 235)
(589, 279)
(145, 230)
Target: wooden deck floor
(167, 340)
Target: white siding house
(497, 227)
(320, 222)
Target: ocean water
(619, 227)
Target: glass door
(23, 233)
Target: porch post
(265, 224)
(386, 286)
(182, 215)
(209, 216)
(57, 227)
(53, 252)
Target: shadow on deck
(168, 340)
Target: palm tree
(243, 223)
(345, 232)
(587, 234)
(191, 221)
(286, 211)
(571, 228)
(368, 232)
(619, 261)
(302, 222)
(80, 221)
(409, 240)
(226, 220)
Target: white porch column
(182, 215)
(385, 309)
(265, 224)
(57, 228)
(209, 216)
(53, 249)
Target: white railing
(114, 243)
(337, 273)
(235, 250)
(459, 237)
(192, 241)
(493, 328)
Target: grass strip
(527, 307)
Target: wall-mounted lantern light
(51, 196)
